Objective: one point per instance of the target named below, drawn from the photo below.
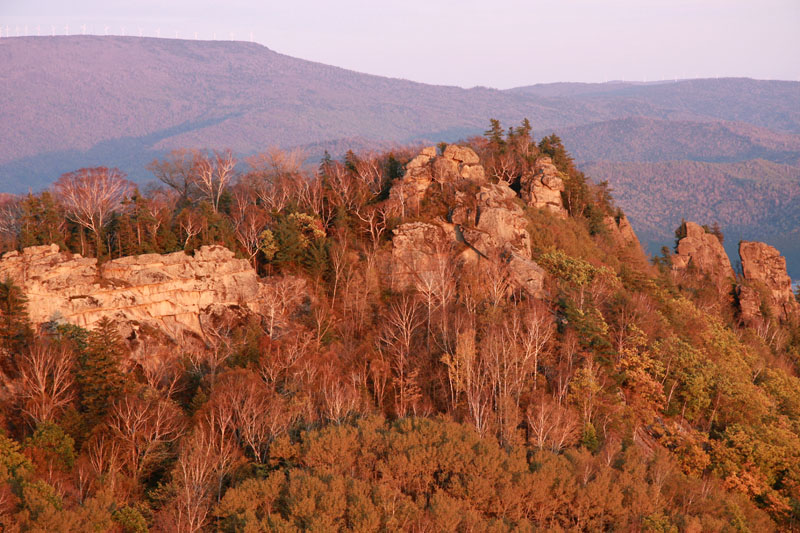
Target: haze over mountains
(722, 150)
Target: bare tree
(194, 479)
(44, 384)
(216, 427)
(275, 176)
(91, 195)
(10, 217)
(376, 224)
(213, 175)
(144, 428)
(368, 170)
(248, 224)
(191, 223)
(258, 413)
(177, 170)
(397, 337)
(551, 425)
(103, 457)
(280, 296)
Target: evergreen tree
(99, 376)
(40, 221)
(525, 130)
(15, 329)
(495, 133)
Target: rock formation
(169, 292)
(457, 163)
(622, 234)
(766, 283)
(486, 221)
(543, 187)
(703, 251)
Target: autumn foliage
(618, 401)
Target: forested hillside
(463, 338)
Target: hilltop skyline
(506, 46)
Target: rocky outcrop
(457, 163)
(766, 283)
(419, 251)
(702, 251)
(542, 188)
(486, 222)
(168, 292)
(622, 234)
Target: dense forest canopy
(620, 398)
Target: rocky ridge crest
(485, 221)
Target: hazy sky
(498, 43)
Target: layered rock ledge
(168, 292)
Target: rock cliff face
(704, 252)
(168, 292)
(486, 222)
(543, 187)
(766, 282)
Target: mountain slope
(647, 139)
(770, 104)
(751, 200)
(114, 98)
(86, 100)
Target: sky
(493, 43)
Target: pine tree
(99, 376)
(495, 133)
(15, 329)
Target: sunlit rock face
(703, 252)
(486, 223)
(767, 286)
(168, 292)
(543, 187)
(622, 234)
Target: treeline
(620, 401)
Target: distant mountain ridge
(70, 102)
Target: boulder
(763, 266)
(461, 154)
(526, 275)
(542, 188)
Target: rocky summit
(484, 224)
